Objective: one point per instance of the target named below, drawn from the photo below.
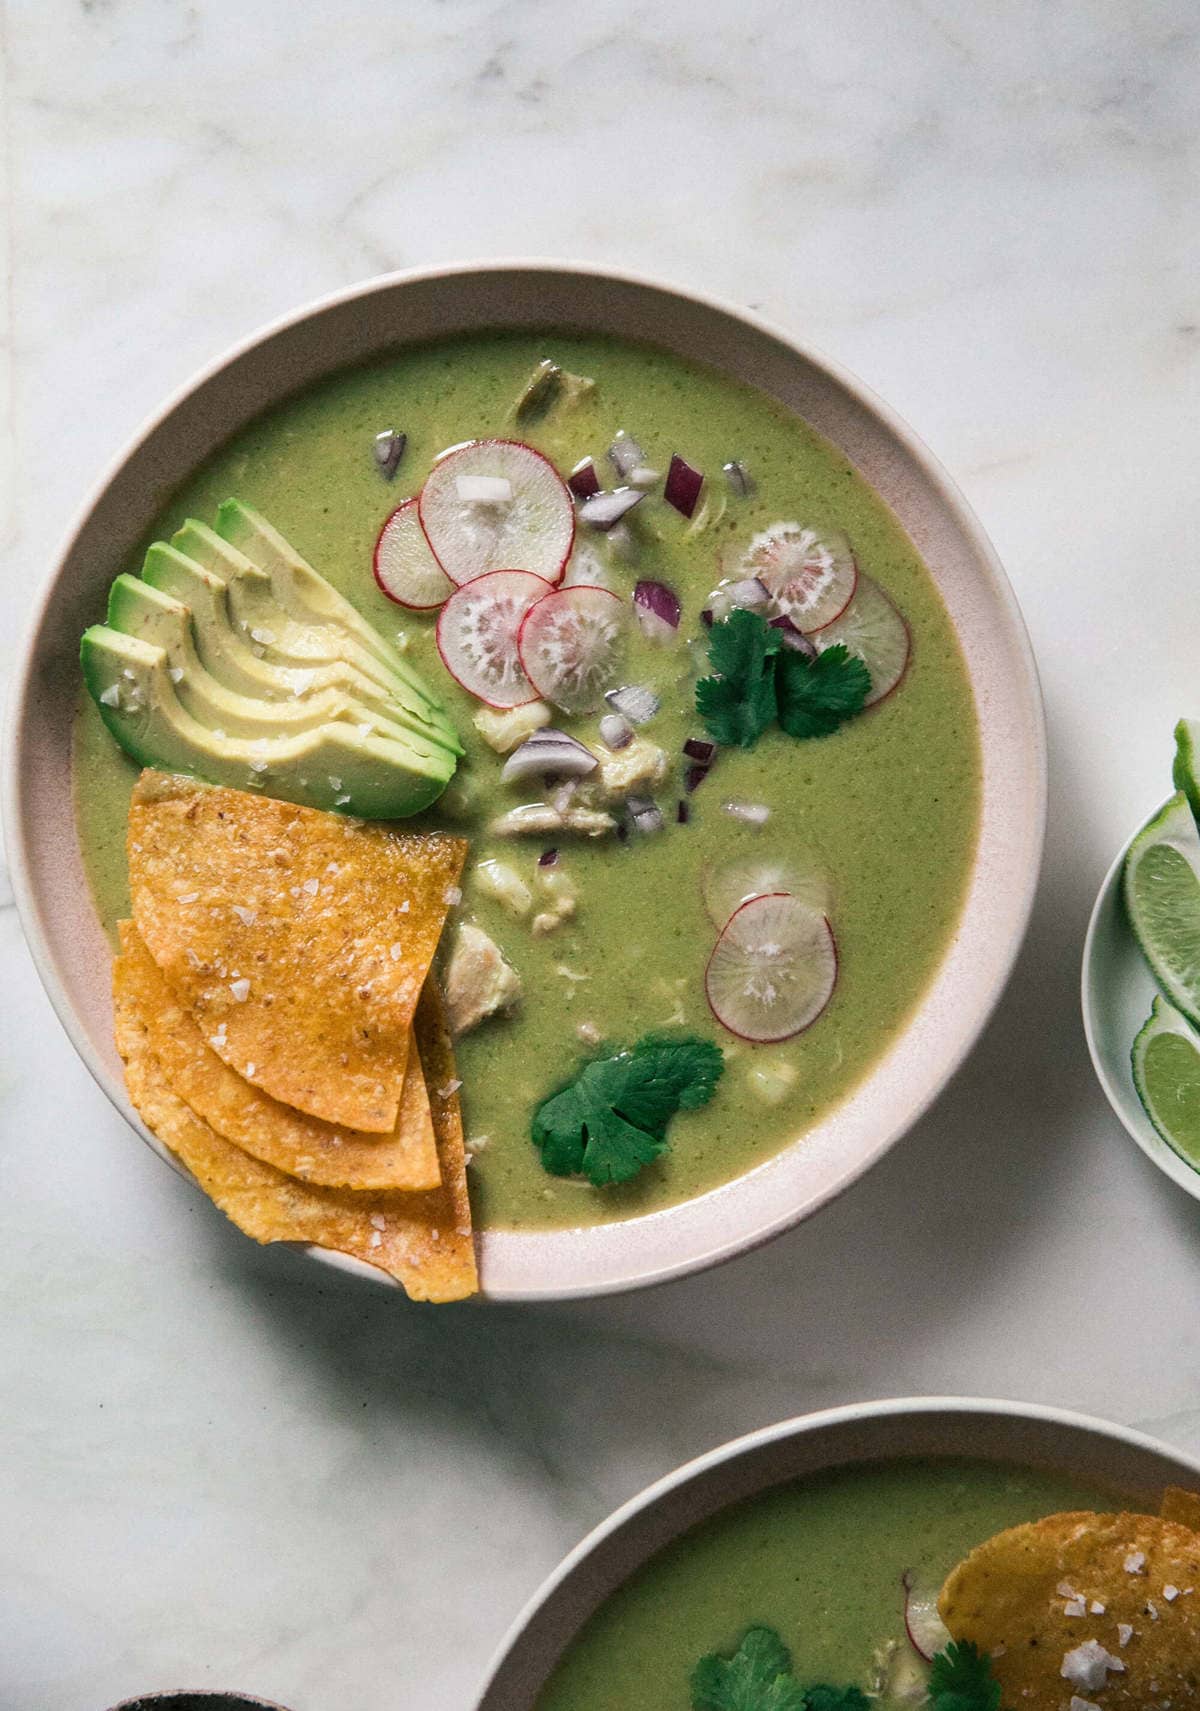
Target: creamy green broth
(820, 1561)
(888, 806)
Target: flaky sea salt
(240, 989)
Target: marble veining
(226, 1468)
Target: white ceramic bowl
(1047, 1438)
(1117, 992)
(61, 925)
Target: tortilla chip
(1181, 1506)
(297, 1144)
(422, 1240)
(1016, 1598)
(298, 940)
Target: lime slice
(1162, 897)
(1166, 1073)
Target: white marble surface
(222, 1466)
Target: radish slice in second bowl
(730, 884)
(872, 628)
(497, 505)
(570, 643)
(773, 969)
(477, 634)
(404, 565)
(810, 577)
(926, 1631)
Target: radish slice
(405, 568)
(569, 644)
(532, 530)
(927, 1633)
(872, 628)
(809, 577)
(477, 635)
(773, 970)
(728, 886)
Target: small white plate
(1118, 990)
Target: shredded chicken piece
(479, 979)
(506, 731)
(536, 819)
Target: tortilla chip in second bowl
(1050, 1601)
(293, 1142)
(422, 1240)
(297, 939)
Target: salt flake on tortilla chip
(1051, 1601)
(298, 940)
(422, 1240)
(293, 1142)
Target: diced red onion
(547, 858)
(389, 449)
(739, 478)
(583, 480)
(550, 754)
(644, 476)
(706, 618)
(657, 608)
(645, 813)
(615, 732)
(602, 510)
(750, 813)
(697, 749)
(625, 455)
(683, 812)
(694, 777)
(634, 702)
(683, 486)
(792, 637)
(484, 489)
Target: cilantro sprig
(611, 1121)
(961, 1679)
(758, 1677)
(757, 681)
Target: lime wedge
(1185, 772)
(1166, 1073)
(1162, 898)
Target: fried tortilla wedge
(296, 939)
(299, 1145)
(1053, 1600)
(1181, 1506)
(422, 1240)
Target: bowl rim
(901, 1409)
(1133, 1120)
(951, 503)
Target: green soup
(819, 1561)
(887, 807)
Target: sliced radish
(927, 1633)
(570, 643)
(727, 886)
(773, 969)
(477, 634)
(405, 568)
(472, 534)
(809, 577)
(872, 628)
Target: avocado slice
(334, 766)
(139, 610)
(293, 632)
(224, 649)
(302, 591)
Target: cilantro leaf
(961, 1679)
(611, 1121)
(758, 1677)
(836, 1699)
(739, 703)
(815, 695)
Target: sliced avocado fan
(254, 672)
